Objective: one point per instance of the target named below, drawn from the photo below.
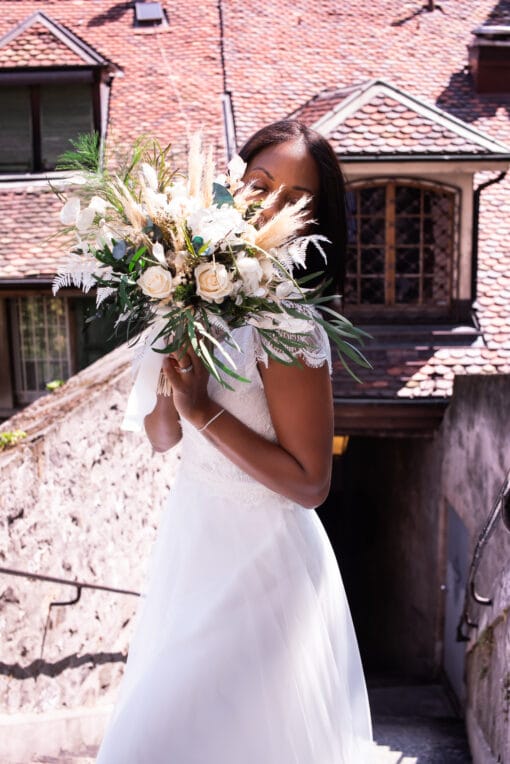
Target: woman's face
(288, 168)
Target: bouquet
(189, 258)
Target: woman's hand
(188, 377)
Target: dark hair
(331, 202)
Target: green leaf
(222, 196)
(85, 156)
(134, 259)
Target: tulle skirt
(244, 650)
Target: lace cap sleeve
(316, 353)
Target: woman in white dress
(244, 650)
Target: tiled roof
(376, 118)
(281, 57)
(424, 366)
(38, 41)
(37, 46)
(29, 218)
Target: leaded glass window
(401, 245)
(42, 347)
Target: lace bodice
(201, 460)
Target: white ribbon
(143, 395)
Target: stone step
(417, 739)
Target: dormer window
(401, 246)
(53, 86)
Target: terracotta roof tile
(37, 46)
(29, 251)
(425, 370)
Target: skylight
(149, 14)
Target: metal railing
(78, 585)
(500, 510)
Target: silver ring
(185, 369)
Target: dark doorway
(382, 517)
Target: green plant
(11, 438)
(54, 385)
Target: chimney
(489, 59)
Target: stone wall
(80, 500)
(476, 437)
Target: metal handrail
(79, 585)
(499, 508)
(66, 581)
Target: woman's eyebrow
(296, 188)
(263, 170)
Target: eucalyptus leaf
(119, 249)
(222, 196)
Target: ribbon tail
(143, 396)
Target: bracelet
(211, 420)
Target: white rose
(213, 281)
(156, 282)
(251, 273)
(215, 224)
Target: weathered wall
(476, 436)
(79, 500)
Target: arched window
(401, 245)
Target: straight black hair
(331, 202)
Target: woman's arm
(162, 425)
(300, 404)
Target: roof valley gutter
(476, 229)
(229, 125)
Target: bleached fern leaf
(103, 293)
(78, 270)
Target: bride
(244, 650)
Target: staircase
(413, 724)
(416, 724)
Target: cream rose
(251, 273)
(213, 281)
(156, 282)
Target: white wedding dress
(244, 650)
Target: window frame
(413, 310)
(34, 79)
(22, 395)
